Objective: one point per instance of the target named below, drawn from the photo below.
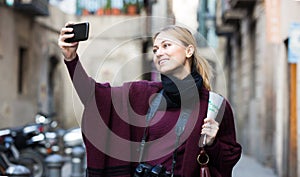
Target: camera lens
(167, 174)
(139, 169)
(157, 170)
(142, 170)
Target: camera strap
(179, 129)
(150, 114)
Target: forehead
(162, 37)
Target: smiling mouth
(162, 61)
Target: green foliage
(108, 4)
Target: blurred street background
(253, 46)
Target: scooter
(72, 138)
(7, 168)
(33, 142)
(74, 151)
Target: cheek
(155, 61)
(178, 52)
(180, 56)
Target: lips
(162, 61)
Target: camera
(146, 170)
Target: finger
(64, 44)
(66, 36)
(63, 37)
(210, 125)
(211, 131)
(70, 44)
(211, 121)
(69, 23)
(64, 30)
(207, 126)
(206, 120)
(207, 131)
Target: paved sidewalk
(249, 167)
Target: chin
(166, 72)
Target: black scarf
(186, 89)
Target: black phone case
(81, 32)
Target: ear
(189, 51)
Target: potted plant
(116, 6)
(102, 7)
(107, 9)
(131, 6)
(85, 12)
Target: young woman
(154, 125)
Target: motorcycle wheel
(34, 161)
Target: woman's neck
(186, 88)
(181, 73)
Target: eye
(154, 51)
(165, 45)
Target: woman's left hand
(210, 128)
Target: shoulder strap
(180, 125)
(150, 113)
(154, 106)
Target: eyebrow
(162, 42)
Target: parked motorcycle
(50, 143)
(8, 168)
(75, 151)
(33, 143)
(72, 138)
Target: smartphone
(80, 30)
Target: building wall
(259, 79)
(16, 106)
(253, 91)
(36, 38)
(112, 54)
(289, 14)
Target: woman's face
(170, 56)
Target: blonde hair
(187, 38)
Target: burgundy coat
(112, 128)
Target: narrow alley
(249, 167)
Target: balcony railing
(109, 7)
(234, 16)
(225, 30)
(32, 7)
(242, 3)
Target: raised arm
(83, 84)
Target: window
(206, 18)
(21, 68)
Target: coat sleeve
(225, 152)
(83, 84)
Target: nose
(159, 52)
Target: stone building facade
(258, 79)
(32, 72)
(30, 78)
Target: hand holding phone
(80, 30)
